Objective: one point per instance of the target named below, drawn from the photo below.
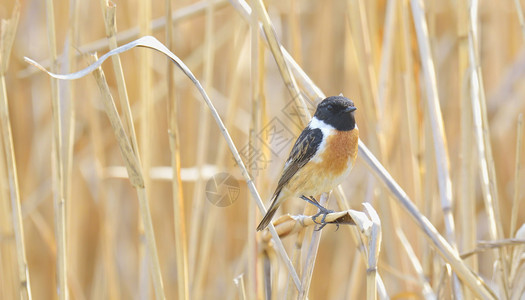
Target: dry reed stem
(287, 225)
(436, 120)
(410, 100)
(311, 255)
(145, 104)
(135, 173)
(438, 131)
(486, 160)
(7, 36)
(69, 120)
(517, 177)
(58, 162)
(110, 22)
(374, 245)
(466, 201)
(517, 272)
(487, 245)
(284, 69)
(9, 286)
(181, 244)
(387, 49)
(257, 73)
(239, 282)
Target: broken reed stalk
(311, 255)
(58, 162)
(374, 245)
(181, 242)
(137, 180)
(110, 22)
(8, 33)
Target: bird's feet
(322, 211)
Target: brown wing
(304, 149)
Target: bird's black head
(337, 111)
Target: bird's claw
(322, 211)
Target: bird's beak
(350, 109)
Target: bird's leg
(322, 211)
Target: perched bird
(322, 156)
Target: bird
(321, 158)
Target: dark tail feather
(267, 218)
(269, 214)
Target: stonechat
(321, 158)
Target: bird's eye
(330, 107)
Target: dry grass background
(368, 50)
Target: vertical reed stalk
(8, 33)
(198, 208)
(436, 121)
(145, 101)
(58, 162)
(486, 160)
(466, 200)
(257, 100)
(181, 247)
(517, 177)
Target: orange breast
(340, 148)
(329, 169)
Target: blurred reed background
(85, 224)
